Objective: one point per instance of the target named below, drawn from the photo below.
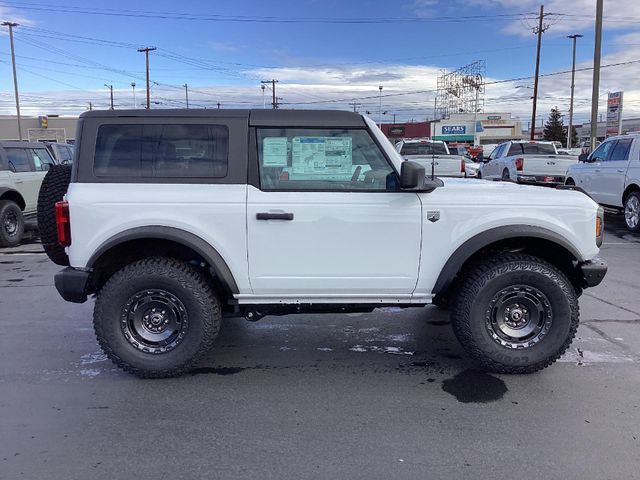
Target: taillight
(63, 223)
(463, 166)
(519, 164)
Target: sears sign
(454, 129)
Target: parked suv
(23, 165)
(177, 218)
(611, 175)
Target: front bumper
(592, 272)
(72, 284)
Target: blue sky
(401, 45)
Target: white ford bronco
(175, 219)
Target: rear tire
(11, 224)
(515, 313)
(156, 317)
(53, 188)
(632, 212)
(569, 181)
(505, 175)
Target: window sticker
(308, 155)
(274, 152)
(329, 158)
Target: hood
(496, 193)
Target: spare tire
(54, 186)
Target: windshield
(423, 149)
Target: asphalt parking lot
(383, 395)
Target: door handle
(274, 216)
(620, 170)
(597, 170)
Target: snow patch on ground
(94, 357)
(89, 372)
(325, 349)
(375, 348)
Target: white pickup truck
(611, 175)
(425, 151)
(529, 162)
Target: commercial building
(50, 127)
(487, 128)
(406, 130)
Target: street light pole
(380, 108)
(15, 76)
(133, 86)
(574, 37)
(264, 102)
(186, 94)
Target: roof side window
(162, 151)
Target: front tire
(515, 313)
(632, 212)
(156, 317)
(11, 224)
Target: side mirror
(46, 166)
(412, 175)
(582, 157)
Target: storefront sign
(454, 129)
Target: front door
(614, 170)
(327, 220)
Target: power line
(254, 18)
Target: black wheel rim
(10, 223)
(154, 321)
(519, 317)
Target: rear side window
(162, 151)
(621, 150)
(18, 160)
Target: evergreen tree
(553, 129)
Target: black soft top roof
(257, 117)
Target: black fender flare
(21, 202)
(488, 237)
(187, 239)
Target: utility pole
(146, 51)
(596, 75)
(186, 94)
(274, 100)
(355, 106)
(15, 76)
(574, 37)
(110, 87)
(133, 86)
(380, 107)
(90, 106)
(539, 30)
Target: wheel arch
(143, 242)
(539, 241)
(13, 195)
(630, 188)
